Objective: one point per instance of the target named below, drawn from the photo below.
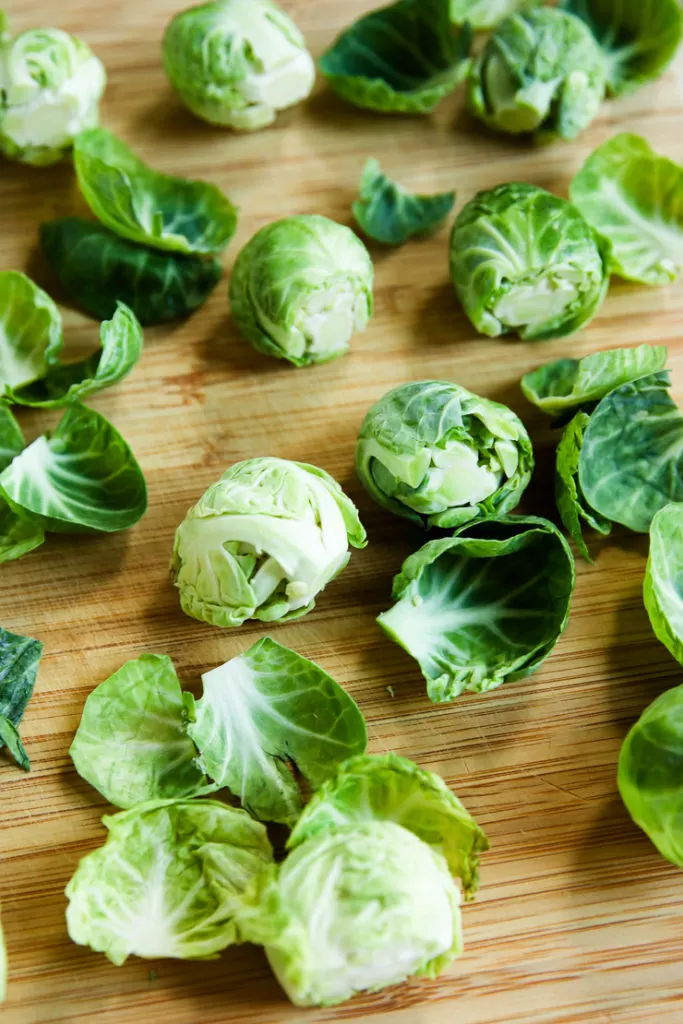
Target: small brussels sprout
(524, 261)
(541, 72)
(437, 454)
(50, 88)
(237, 62)
(357, 909)
(650, 774)
(300, 289)
(262, 542)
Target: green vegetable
(486, 14)
(262, 542)
(437, 454)
(392, 788)
(389, 214)
(363, 907)
(50, 88)
(526, 262)
(633, 199)
(541, 73)
(237, 62)
(651, 774)
(638, 37)
(400, 59)
(263, 710)
(18, 534)
(132, 743)
(484, 607)
(300, 289)
(166, 882)
(145, 206)
(663, 589)
(19, 660)
(83, 477)
(568, 384)
(30, 330)
(96, 269)
(571, 502)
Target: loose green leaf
(400, 59)
(389, 214)
(166, 882)
(525, 262)
(148, 207)
(484, 607)
(98, 269)
(639, 38)
(634, 200)
(568, 384)
(83, 477)
(571, 504)
(9, 736)
(265, 709)
(64, 383)
(18, 534)
(486, 14)
(131, 743)
(632, 453)
(392, 788)
(19, 660)
(30, 330)
(663, 587)
(651, 773)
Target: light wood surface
(578, 919)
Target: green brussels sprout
(50, 88)
(650, 774)
(262, 542)
(541, 72)
(524, 261)
(357, 909)
(237, 62)
(300, 288)
(435, 453)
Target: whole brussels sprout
(437, 454)
(300, 288)
(237, 62)
(50, 88)
(262, 542)
(541, 72)
(524, 261)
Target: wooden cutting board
(578, 918)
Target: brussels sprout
(389, 214)
(300, 288)
(650, 774)
(437, 454)
(634, 199)
(485, 14)
(237, 62)
(663, 587)
(541, 73)
(357, 909)
(524, 261)
(638, 37)
(50, 88)
(401, 59)
(262, 542)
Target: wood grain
(579, 919)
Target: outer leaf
(131, 743)
(18, 534)
(121, 339)
(264, 709)
(484, 607)
(400, 59)
(663, 588)
(97, 269)
(10, 737)
(146, 206)
(634, 200)
(568, 384)
(639, 38)
(392, 788)
(650, 773)
(486, 14)
(389, 214)
(632, 454)
(151, 890)
(30, 330)
(83, 477)
(571, 503)
(19, 660)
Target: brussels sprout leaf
(19, 660)
(486, 14)
(19, 534)
(30, 330)
(571, 504)
(663, 588)
(389, 214)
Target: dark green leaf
(389, 214)
(19, 660)
(12, 741)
